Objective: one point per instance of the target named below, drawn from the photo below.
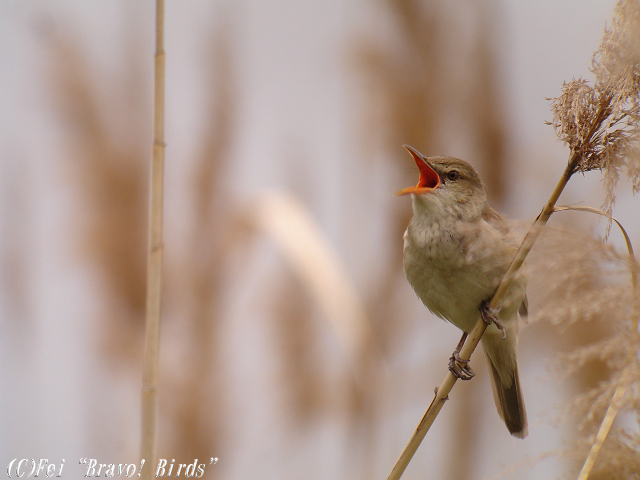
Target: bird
(456, 250)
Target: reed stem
(149, 394)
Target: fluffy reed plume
(108, 167)
(586, 280)
(599, 123)
(197, 414)
(300, 361)
(15, 219)
(484, 104)
(316, 266)
(307, 252)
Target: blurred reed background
(309, 105)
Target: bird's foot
(460, 367)
(490, 316)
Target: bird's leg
(490, 315)
(458, 366)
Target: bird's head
(447, 186)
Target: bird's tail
(505, 383)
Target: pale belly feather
(452, 272)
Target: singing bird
(456, 250)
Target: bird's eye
(453, 175)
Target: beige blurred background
(282, 111)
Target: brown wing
(498, 222)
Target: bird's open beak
(429, 179)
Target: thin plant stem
(605, 426)
(149, 394)
(475, 335)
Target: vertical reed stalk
(148, 437)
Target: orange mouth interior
(429, 179)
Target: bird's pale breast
(454, 266)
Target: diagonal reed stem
(149, 394)
(474, 337)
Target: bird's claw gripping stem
(460, 368)
(490, 316)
